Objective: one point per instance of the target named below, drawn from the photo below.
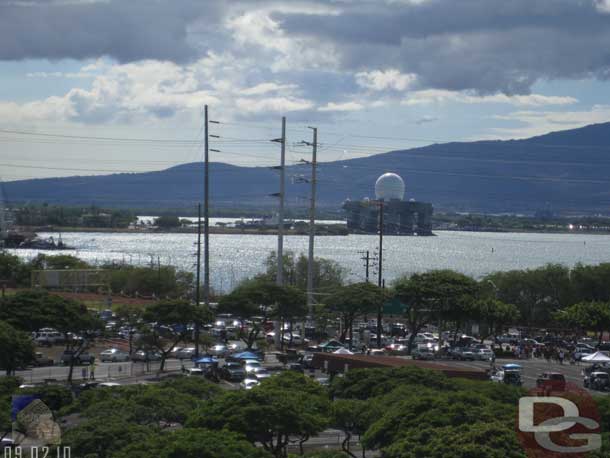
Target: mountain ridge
(566, 171)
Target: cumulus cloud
(379, 80)
(162, 57)
(347, 106)
(124, 30)
(487, 46)
(429, 96)
(531, 123)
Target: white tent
(597, 357)
(345, 351)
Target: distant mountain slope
(566, 171)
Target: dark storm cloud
(127, 30)
(485, 45)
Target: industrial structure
(400, 217)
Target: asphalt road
(534, 367)
(102, 371)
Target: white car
(484, 354)
(296, 339)
(220, 350)
(196, 372)
(260, 373)
(185, 353)
(249, 383)
(251, 365)
(114, 355)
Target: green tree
(193, 443)
(494, 314)
(78, 325)
(355, 300)
(58, 262)
(16, 348)
(197, 387)
(261, 300)
(130, 316)
(587, 316)
(537, 293)
(104, 437)
(283, 407)
(351, 416)
(327, 274)
(166, 323)
(436, 296)
(477, 440)
(160, 281)
(591, 283)
(30, 310)
(167, 222)
(14, 270)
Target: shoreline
(332, 230)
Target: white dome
(389, 186)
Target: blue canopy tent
(245, 355)
(206, 360)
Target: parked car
(42, 360)
(260, 373)
(220, 350)
(249, 383)
(307, 361)
(296, 339)
(114, 355)
(48, 337)
(184, 353)
(463, 354)
(551, 381)
(83, 358)
(597, 380)
(142, 355)
(233, 372)
(251, 364)
(484, 354)
(582, 350)
(397, 349)
(424, 353)
(195, 372)
(297, 367)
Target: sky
(103, 86)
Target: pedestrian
(561, 356)
(92, 372)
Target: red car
(551, 381)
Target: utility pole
(206, 211)
(367, 262)
(380, 274)
(312, 224)
(280, 223)
(279, 332)
(197, 286)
